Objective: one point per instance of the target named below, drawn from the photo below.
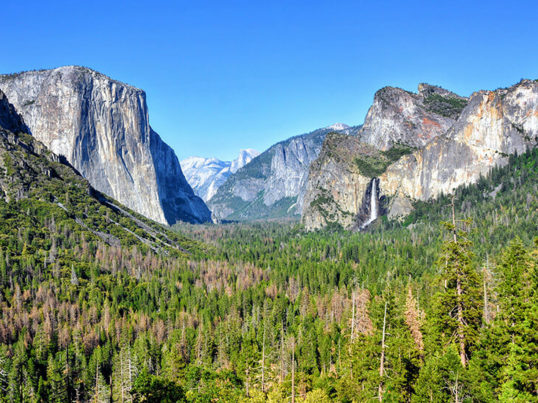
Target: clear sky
(226, 75)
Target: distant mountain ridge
(272, 185)
(206, 175)
(102, 127)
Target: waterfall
(373, 204)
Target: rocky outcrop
(335, 187)
(272, 184)
(101, 126)
(206, 175)
(492, 125)
(403, 118)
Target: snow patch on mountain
(338, 126)
(206, 175)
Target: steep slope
(206, 175)
(492, 125)
(101, 126)
(40, 192)
(335, 186)
(272, 184)
(9, 118)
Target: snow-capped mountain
(338, 126)
(205, 175)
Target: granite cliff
(101, 127)
(413, 161)
(493, 125)
(401, 117)
(272, 184)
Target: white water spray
(373, 204)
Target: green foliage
(445, 106)
(443, 379)
(509, 352)
(8, 164)
(397, 151)
(371, 166)
(374, 165)
(154, 389)
(458, 307)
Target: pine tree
(442, 379)
(509, 353)
(457, 315)
(124, 374)
(101, 390)
(56, 378)
(4, 371)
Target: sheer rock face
(289, 168)
(101, 126)
(335, 187)
(492, 125)
(273, 183)
(9, 118)
(401, 117)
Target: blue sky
(226, 75)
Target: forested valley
(437, 307)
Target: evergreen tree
(56, 377)
(443, 379)
(457, 314)
(509, 353)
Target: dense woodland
(435, 308)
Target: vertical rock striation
(9, 118)
(493, 125)
(272, 184)
(101, 126)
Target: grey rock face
(9, 118)
(101, 126)
(492, 125)
(289, 169)
(335, 188)
(272, 184)
(401, 117)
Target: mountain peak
(245, 156)
(426, 90)
(338, 126)
(205, 175)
